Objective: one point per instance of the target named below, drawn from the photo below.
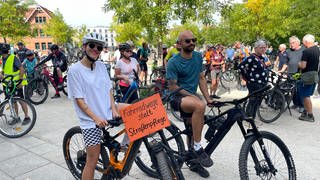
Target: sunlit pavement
(38, 155)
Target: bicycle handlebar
(11, 83)
(219, 104)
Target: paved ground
(38, 155)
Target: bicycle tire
(77, 162)
(176, 114)
(37, 91)
(176, 144)
(228, 80)
(17, 129)
(275, 100)
(164, 167)
(153, 76)
(64, 88)
(266, 137)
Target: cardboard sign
(144, 117)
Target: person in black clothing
(254, 72)
(21, 51)
(59, 61)
(309, 62)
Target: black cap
(20, 43)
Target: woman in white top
(124, 70)
(90, 87)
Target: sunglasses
(128, 51)
(92, 45)
(194, 40)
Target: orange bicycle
(112, 163)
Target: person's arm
(303, 63)
(49, 57)
(284, 68)
(115, 112)
(85, 108)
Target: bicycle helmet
(54, 47)
(94, 37)
(29, 53)
(4, 48)
(124, 46)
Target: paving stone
(9, 150)
(54, 156)
(27, 141)
(43, 148)
(21, 164)
(47, 172)
(3, 176)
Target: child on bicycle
(29, 64)
(90, 87)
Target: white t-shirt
(117, 55)
(127, 69)
(105, 56)
(94, 87)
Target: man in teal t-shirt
(185, 70)
(143, 62)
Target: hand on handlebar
(101, 122)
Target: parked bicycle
(263, 155)
(17, 115)
(111, 165)
(37, 90)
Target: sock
(60, 80)
(196, 145)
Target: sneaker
(14, 121)
(26, 121)
(306, 117)
(203, 158)
(293, 107)
(197, 168)
(191, 160)
(215, 96)
(55, 96)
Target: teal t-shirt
(185, 71)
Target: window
(49, 45)
(106, 39)
(41, 33)
(106, 31)
(37, 46)
(44, 19)
(40, 20)
(37, 20)
(43, 46)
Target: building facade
(37, 16)
(107, 33)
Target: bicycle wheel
(37, 91)
(13, 120)
(228, 80)
(165, 169)
(144, 162)
(153, 76)
(275, 149)
(272, 106)
(65, 89)
(74, 152)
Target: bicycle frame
(118, 168)
(49, 76)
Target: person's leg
(59, 73)
(91, 162)
(306, 92)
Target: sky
(78, 12)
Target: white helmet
(94, 37)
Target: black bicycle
(263, 155)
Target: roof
(34, 8)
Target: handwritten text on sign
(144, 117)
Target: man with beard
(185, 70)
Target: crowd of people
(89, 82)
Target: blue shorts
(307, 90)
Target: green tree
(154, 15)
(58, 29)
(12, 21)
(79, 34)
(127, 31)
